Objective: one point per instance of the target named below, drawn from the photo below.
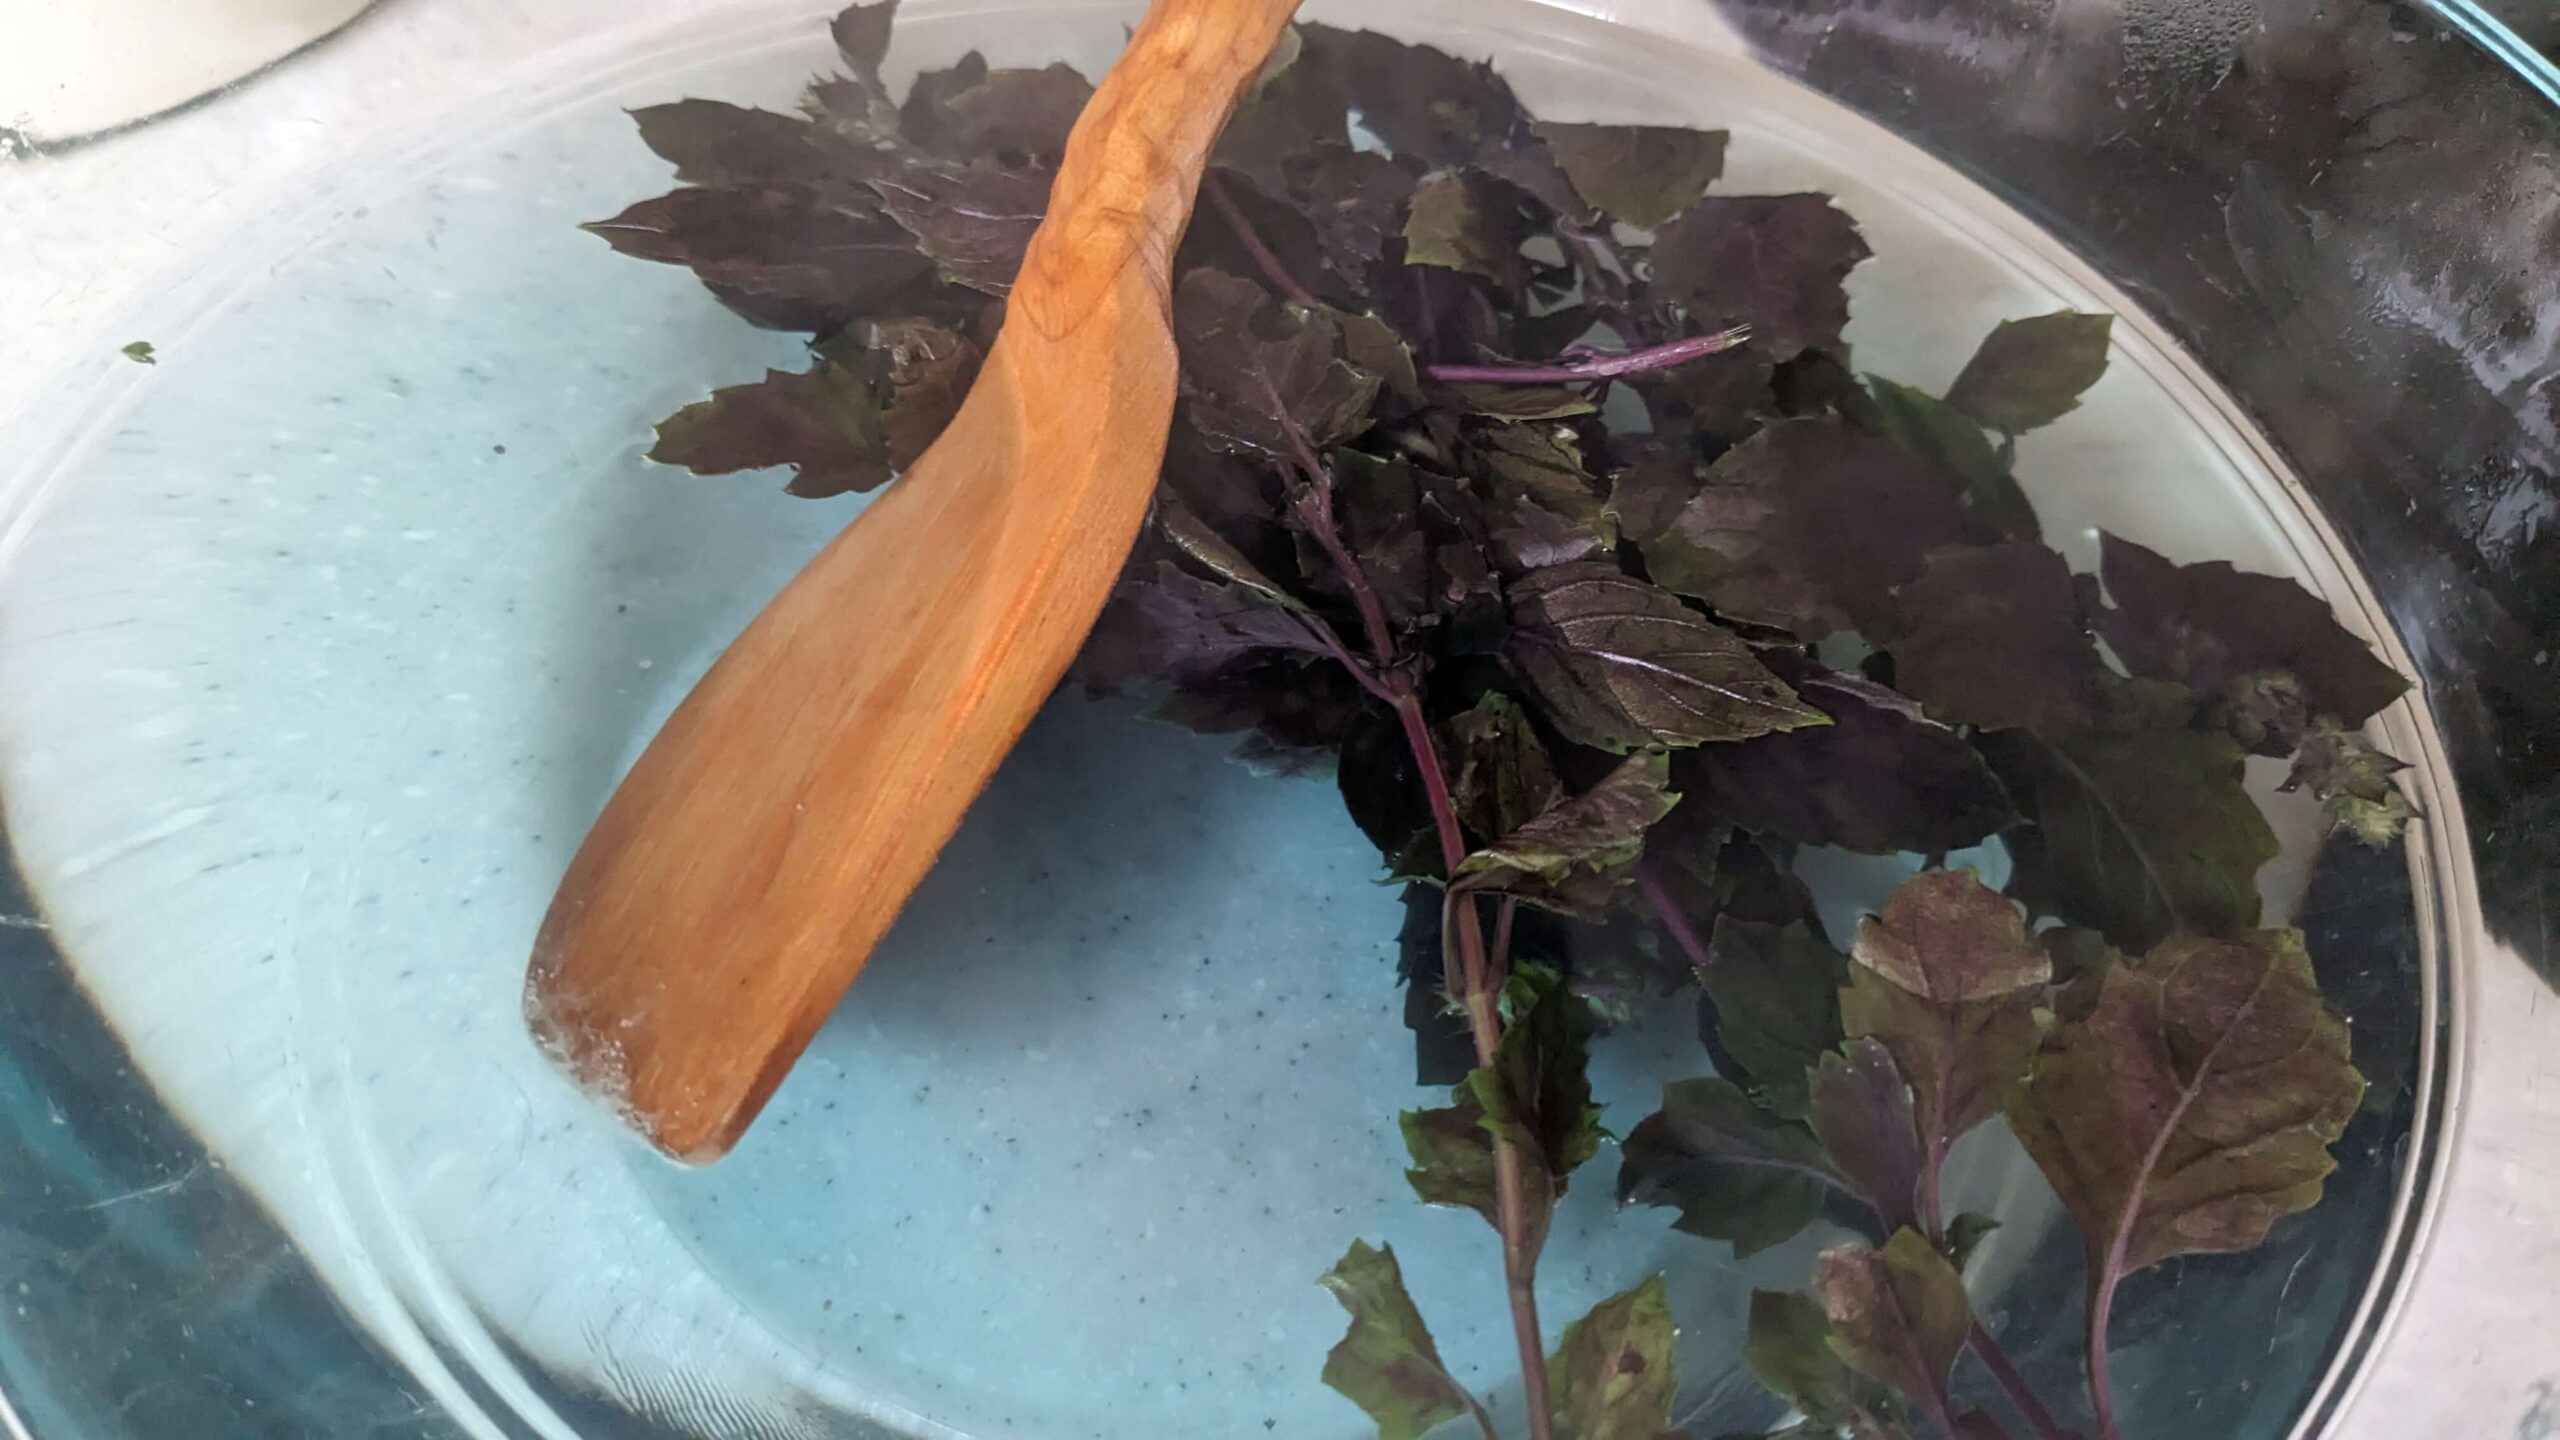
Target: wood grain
(741, 875)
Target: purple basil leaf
(1424, 103)
(712, 143)
(1990, 637)
(1254, 370)
(974, 222)
(1861, 1110)
(1880, 778)
(1898, 1315)
(1615, 1371)
(1172, 624)
(787, 243)
(1807, 527)
(1574, 856)
(1387, 1363)
(1618, 664)
(2211, 624)
(1776, 994)
(1772, 262)
(1641, 174)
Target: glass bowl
(323, 638)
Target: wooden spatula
(740, 877)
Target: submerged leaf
(1772, 262)
(1355, 199)
(1862, 1111)
(1775, 989)
(878, 398)
(1387, 1363)
(1788, 1346)
(970, 111)
(2030, 373)
(1537, 1092)
(1953, 441)
(2212, 623)
(1614, 1372)
(775, 243)
(1898, 1315)
(1424, 102)
(1171, 624)
(1880, 778)
(2141, 824)
(1619, 664)
(1574, 856)
(1452, 1155)
(712, 143)
(1499, 775)
(2195, 1104)
(974, 222)
(1734, 1171)
(1641, 174)
(1468, 221)
(2352, 778)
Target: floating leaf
(1641, 174)
(1772, 262)
(1775, 989)
(1423, 102)
(1880, 778)
(712, 143)
(1734, 1171)
(2142, 825)
(971, 111)
(1253, 369)
(1614, 1373)
(1947, 980)
(1990, 638)
(1807, 526)
(1620, 664)
(1953, 441)
(1862, 1111)
(1788, 1347)
(882, 395)
(1898, 1315)
(2210, 624)
(2030, 373)
(780, 243)
(1574, 856)
(1387, 1363)
(975, 222)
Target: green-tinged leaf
(1522, 402)
(1772, 262)
(2211, 624)
(1788, 1347)
(1452, 1155)
(2352, 778)
(1212, 552)
(1881, 778)
(1614, 1373)
(1734, 1171)
(1543, 465)
(1862, 1111)
(1171, 624)
(1387, 1363)
(1499, 775)
(1965, 1235)
(140, 352)
(1255, 370)
(2030, 373)
(2141, 824)
(1898, 1315)
(1775, 989)
(1953, 441)
(712, 143)
(2194, 1105)
(1990, 637)
(1576, 854)
(1619, 664)
(1537, 1092)
(878, 397)
(1641, 174)
(1468, 221)
(1947, 980)
(1807, 526)
(974, 221)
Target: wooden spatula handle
(739, 878)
